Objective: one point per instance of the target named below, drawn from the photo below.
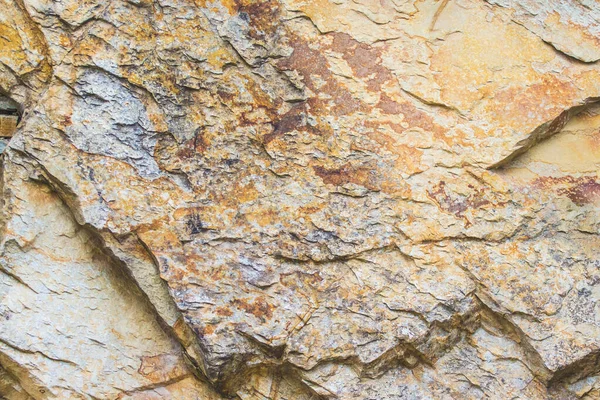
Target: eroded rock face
(284, 199)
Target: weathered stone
(285, 199)
(8, 118)
(8, 125)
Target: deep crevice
(10, 116)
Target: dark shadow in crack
(10, 116)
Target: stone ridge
(291, 199)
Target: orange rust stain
(594, 140)
(260, 308)
(264, 217)
(409, 157)
(65, 41)
(245, 193)
(520, 102)
(311, 208)
(224, 312)
(205, 330)
(162, 367)
(510, 249)
(218, 273)
(158, 238)
(417, 118)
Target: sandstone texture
(300, 199)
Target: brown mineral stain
(260, 308)
(223, 312)
(347, 174)
(227, 97)
(412, 117)
(365, 60)
(388, 106)
(581, 190)
(261, 15)
(195, 146)
(294, 119)
(332, 97)
(458, 204)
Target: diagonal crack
(38, 352)
(545, 131)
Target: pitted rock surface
(293, 199)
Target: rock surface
(292, 199)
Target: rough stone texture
(292, 199)
(8, 125)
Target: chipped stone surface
(286, 199)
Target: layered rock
(284, 199)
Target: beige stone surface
(292, 199)
(8, 125)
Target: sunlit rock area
(300, 200)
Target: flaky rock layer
(293, 199)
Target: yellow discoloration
(311, 182)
